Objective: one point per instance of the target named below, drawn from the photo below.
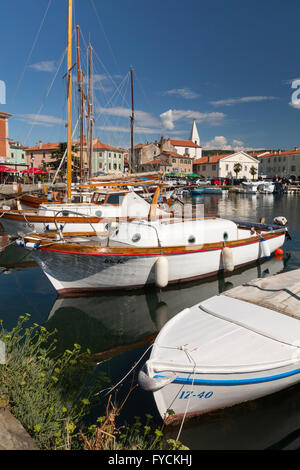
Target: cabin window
(136, 237)
(115, 199)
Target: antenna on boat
(132, 163)
(69, 105)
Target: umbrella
(6, 169)
(36, 171)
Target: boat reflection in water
(110, 324)
(11, 255)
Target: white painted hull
(196, 394)
(231, 348)
(76, 272)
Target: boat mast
(80, 85)
(69, 105)
(90, 114)
(132, 163)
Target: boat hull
(72, 271)
(193, 394)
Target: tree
(58, 155)
(237, 168)
(253, 171)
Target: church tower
(194, 136)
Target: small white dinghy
(234, 347)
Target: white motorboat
(266, 188)
(160, 251)
(231, 348)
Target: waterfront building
(17, 156)
(40, 156)
(107, 159)
(169, 162)
(280, 164)
(222, 166)
(4, 143)
(184, 151)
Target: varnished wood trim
(73, 248)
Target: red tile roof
(153, 162)
(210, 159)
(278, 154)
(184, 143)
(177, 155)
(48, 146)
(101, 146)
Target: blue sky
(226, 63)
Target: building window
(227, 167)
(115, 166)
(23, 156)
(293, 168)
(100, 165)
(12, 155)
(173, 160)
(100, 154)
(214, 167)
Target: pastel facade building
(17, 156)
(107, 159)
(41, 155)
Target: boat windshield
(115, 199)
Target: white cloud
(44, 66)
(142, 118)
(182, 92)
(137, 129)
(169, 117)
(245, 99)
(40, 120)
(220, 142)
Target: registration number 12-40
(186, 394)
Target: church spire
(194, 136)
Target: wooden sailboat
(158, 251)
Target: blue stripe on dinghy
(186, 381)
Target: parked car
(216, 181)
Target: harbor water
(119, 327)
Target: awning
(36, 171)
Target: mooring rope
(125, 376)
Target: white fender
(149, 384)
(280, 220)
(227, 259)
(265, 249)
(161, 272)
